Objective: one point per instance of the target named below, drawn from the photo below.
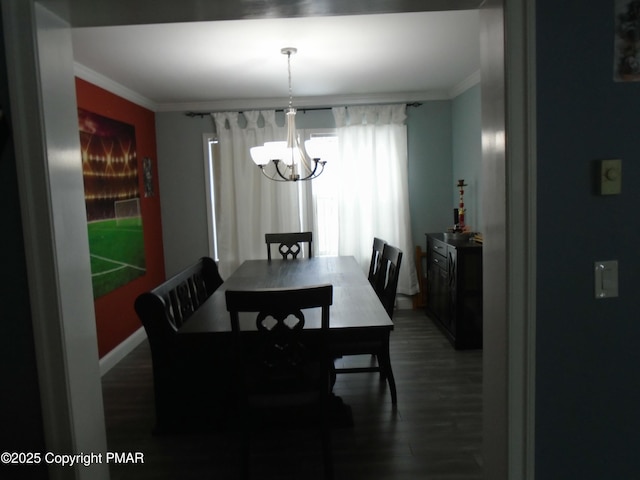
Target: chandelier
(289, 161)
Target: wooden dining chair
(290, 244)
(386, 285)
(376, 255)
(387, 282)
(283, 368)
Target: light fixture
(288, 161)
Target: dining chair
(283, 367)
(385, 287)
(387, 282)
(289, 243)
(376, 255)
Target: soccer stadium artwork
(112, 198)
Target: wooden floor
(435, 433)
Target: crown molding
(100, 80)
(302, 102)
(466, 84)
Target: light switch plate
(606, 279)
(610, 177)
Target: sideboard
(454, 288)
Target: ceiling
(227, 64)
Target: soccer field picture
(117, 253)
(111, 191)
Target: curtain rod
(303, 110)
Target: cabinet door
(432, 291)
(438, 292)
(469, 301)
(452, 287)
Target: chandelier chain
(289, 71)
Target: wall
(115, 317)
(182, 182)
(430, 169)
(467, 153)
(587, 395)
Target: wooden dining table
(358, 322)
(356, 312)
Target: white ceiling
(237, 63)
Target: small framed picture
(147, 169)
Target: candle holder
(459, 231)
(460, 225)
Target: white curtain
(373, 194)
(250, 205)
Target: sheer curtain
(373, 194)
(248, 204)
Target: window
(325, 199)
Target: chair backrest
(289, 243)
(168, 306)
(278, 356)
(387, 283)
(376, 255)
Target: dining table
(357, 317)
(356, 311)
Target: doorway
(508, 311)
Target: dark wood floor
(435, 433)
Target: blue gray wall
(467, 153)
(587, 359)
(429, 132)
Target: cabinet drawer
(438, 246)
(438, 260)
(437, 252)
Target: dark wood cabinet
(454, 288)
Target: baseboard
(112, 358)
